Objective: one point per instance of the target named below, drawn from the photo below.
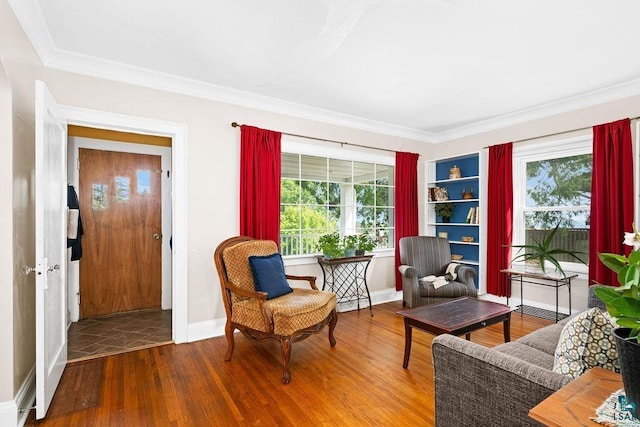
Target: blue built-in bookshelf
(465, 228)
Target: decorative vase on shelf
(446, 219)
(629, 357)
(349, 252)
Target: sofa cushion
(586, 341)
(527, 354)
(544, 339)
(287, 314)
(450, 290)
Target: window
(322, 194)
(552, 185)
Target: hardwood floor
(358, 382)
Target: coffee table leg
(407, 342)
(506, 327)
(468, 337)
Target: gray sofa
(480, 386)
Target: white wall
(213, 167)
(22, 68)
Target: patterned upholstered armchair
(422, 256)
(252, 306)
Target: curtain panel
(260, 164)
(406, 203)
(611, 196)
(499, 218)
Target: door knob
(156, 236)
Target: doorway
(120, 293)
(177, 132)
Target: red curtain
(406, 202)
(499, 218)
(260, 164)
(611, 196)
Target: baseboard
(207, 329)
(377, 297)
(16, 411)
(215, 328)
(514, 302)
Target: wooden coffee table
(456, 317)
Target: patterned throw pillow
(586, 341)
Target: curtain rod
(555, 134)
(342, 143)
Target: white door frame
(178, 133)
(77, 142)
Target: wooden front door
(120, 206)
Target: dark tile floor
(118, 333)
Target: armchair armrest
(310, 279)
(465, 276)
(475, 385)
(245, 293)
(410, 286)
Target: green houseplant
(331, 245)
(350, 243)
(623, 303)
(541, 251)
(366, 243)
(444, 210)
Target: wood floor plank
(360, 381)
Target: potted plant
(366, 243)
(350, 244)
(623, 303)
(444, 210)
(541, 251)
(330, 245)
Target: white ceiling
(425, 69)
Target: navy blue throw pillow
(268, 275)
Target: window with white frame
(325, 190)
(552, 187)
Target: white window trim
(299, 145)
(521, 155)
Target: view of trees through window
(321, 195)
(558, 191)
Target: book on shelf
(473, 216)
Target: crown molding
(584, 100)
(32, 21)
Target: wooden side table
(577, 401)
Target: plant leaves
(614, 262)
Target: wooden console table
(577, 401)
(555, 280)
(347, 278)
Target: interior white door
(51, 251)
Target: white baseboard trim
(16, 411)
(207, 329)
(377, 297)
(515, 302)
(215, 328)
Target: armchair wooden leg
(286, 355)
(332, 326)
(228, 331)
